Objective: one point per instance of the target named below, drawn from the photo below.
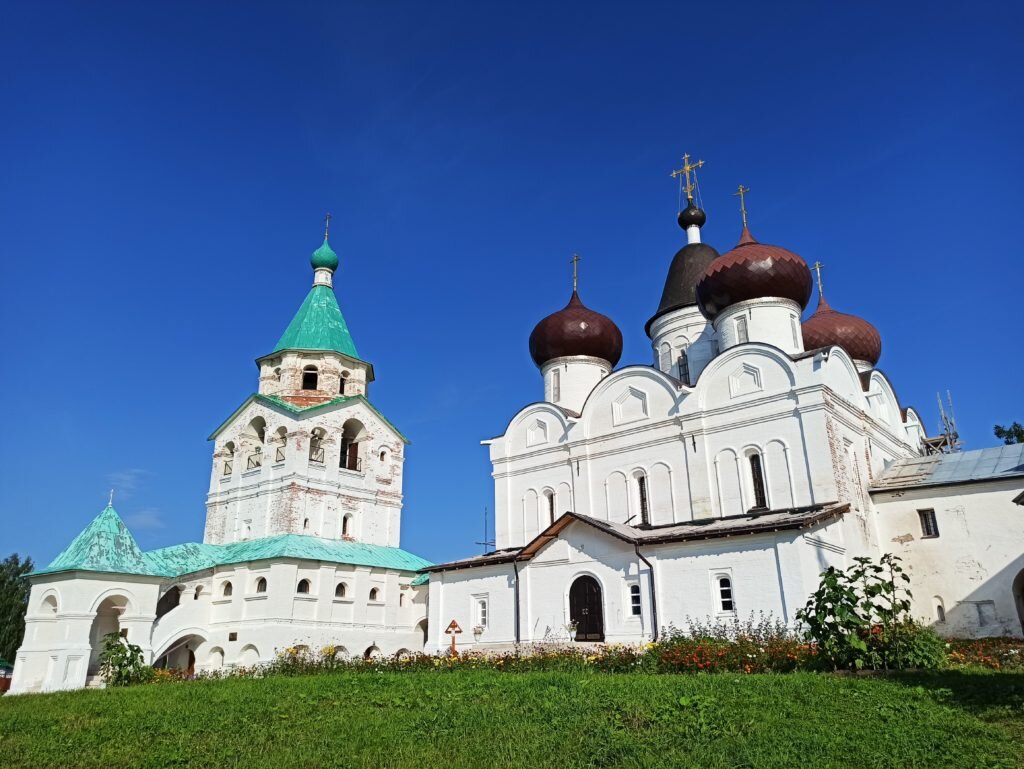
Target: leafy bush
(992, 653)
(121, 662)
(860, 619)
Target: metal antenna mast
(488, 543)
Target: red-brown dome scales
(576, 330)
(827, 327)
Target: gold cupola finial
(821, 291)
(685, 171)
(327, 225)
(741, 191)
(575, 271)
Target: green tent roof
(318, 325)
(106, 545)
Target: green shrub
(121, 662)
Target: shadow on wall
(994, 608)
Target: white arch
(51, 595)
(117, 592)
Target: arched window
(401, 599)
(305, 525)
(665, 358)
(280, 443)
(352, 432)
(48, 605)
(303, 586)
(726, 602)
(310, 378)
(261, 585)
(481, 612)
(316, 445)
(741, 331)
(757, 481)
(229, 458)
(940, 609)
(340, 590)
(684, 366)
(634, 600)
(343, 381)
(199, 590)
(226, 590)
(346, 526)
(549, 505)
(374, 594)
(277, 374)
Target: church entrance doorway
(1018, 597)
(585, 609)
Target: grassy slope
(487, 719)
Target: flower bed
(991, 653)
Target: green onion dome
(324, 258)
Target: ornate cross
(741, 191)
(327, 225)
(687, 168)
(817, 268)
(575, 271)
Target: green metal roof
(421, 579)
(106, 545)
(281, 403)
(319, 325)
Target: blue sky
(166, 168)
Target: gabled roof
(976, 466)
(104, 545)
(710, 528)
(318, 325)
(292, 408)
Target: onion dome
(828, 327)
(324, 258)
(687, 266)
(753, 270)
(576, 330)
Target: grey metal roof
(948, 469)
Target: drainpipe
(654, 600)
(515, 608)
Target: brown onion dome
(753, 270)
(576, 330)
(855, 335)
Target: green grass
(486, 719)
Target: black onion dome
(753, 270)
(829, 327)
(690, 216)
(576, 330)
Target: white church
(756, 451)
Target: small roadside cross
(453, 629)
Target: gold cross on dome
(817, 268)
(575, 270)
(327, 225)
(741, 191)
(686, 170)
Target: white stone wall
(768, 321)
(683, 330)
(970, 568)
(568, 381)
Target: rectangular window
(741, 330)
(796, 332)
(757, 480)
(481, 612)
(986, 613)
(634, 600)
(929, 526)
(641, 483)
(684, 367)
(725, 594)
(556, 386)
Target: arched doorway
(1018, 597)
(585, 609)
(106, 621)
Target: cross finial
(821, 292)
(686, 170)
(327, 225)
(575, 270)
(741, 191)
(110, 501)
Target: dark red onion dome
(576, 330)
(753, 270)
(687, 266)
(855, 335)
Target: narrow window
(641, 484)
(305, 525)
(796, 331)
(316, 448)
(757, 479)
(556, 386)
(725, 594)
(342, 382)
(303, 586)
(741, 330)
(229, 460)
(401, 599)
(929, 526)
(940, 612)
(481, 612)
(277, 374)
(665, 359)
(340, 590)
(374, 594)
(346, 526)
(684, 367)
(634, 600)
(199, 589)
(261, 585)
(309, 378)
(549, 497)
(226, 590)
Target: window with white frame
(724, 595)
(741, 331)
(481, 611)
(634, 600)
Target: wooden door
(585, 609)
